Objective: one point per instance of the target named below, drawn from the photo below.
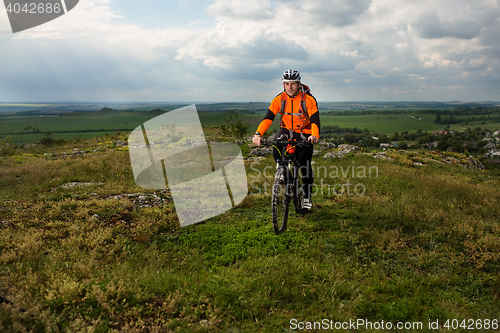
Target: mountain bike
(287, 184)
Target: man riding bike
(299, 120)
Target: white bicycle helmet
(290, 75)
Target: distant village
(477, 141)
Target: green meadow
(411, 241)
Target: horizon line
(217, 102)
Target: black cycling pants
(303, 155)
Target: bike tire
(298, 191)
(280, 200)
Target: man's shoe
(307, 205)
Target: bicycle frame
(288, 169)
(289, 162)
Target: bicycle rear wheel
(280, 200)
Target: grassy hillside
(412, 238)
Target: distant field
(384, 123)
(98, 123)
(22, 105)
(491, 125)
(376, 123)
(68, 126)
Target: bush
(48, 140)
(7, 147)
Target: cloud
(256, 10)
(260, 50)
(337, 13)
(461, 19)
(431, 26)
(360, 49)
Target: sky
(236, 51)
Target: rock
(348, 148)
(323, 145)
(342, 151)
(142, 200)
(382, 156)
(334, 154)
(475, 163)
(204, 323)
(256, 159)
(5, 223)
(77, 184)
(260, 152)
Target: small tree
(30, 129)
(235, 126)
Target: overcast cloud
(234, 50)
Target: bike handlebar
(283, 142)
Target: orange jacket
(293, 116)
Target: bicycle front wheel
(280, 200)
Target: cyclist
(300, 120)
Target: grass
(421, 243)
